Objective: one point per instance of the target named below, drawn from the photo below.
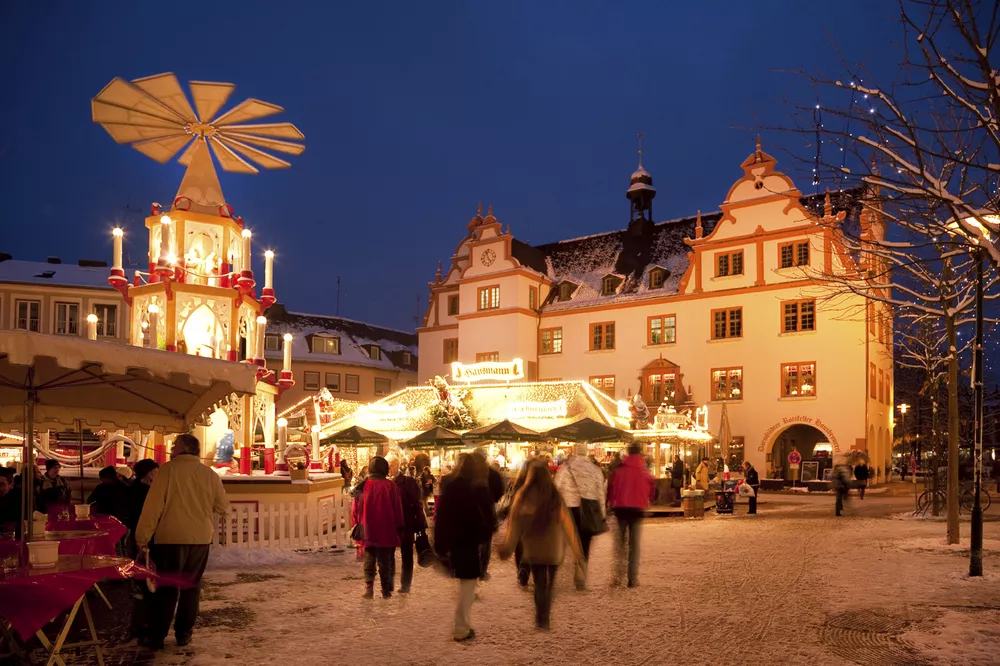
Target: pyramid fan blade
(167, 90)
(248, 109)
(129, 133)
(209, 97)
(280, 130)
(229, 160)
(163, 149)
(273, 144)
(258, 156)
(188, 154)
(122, 93)
(102, 112)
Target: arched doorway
(812, 444)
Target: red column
(160, 453)
(268, 460)
(245, 460)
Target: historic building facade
(728, 308)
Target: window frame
(872, 380)
(729, 256)
(609, 281)
(603, 336)
(407, 358)
(452, 304)
(272, 338)
(565, 292)
(305, 380)
(729, 388)
(333, 388)
(727, 326)
(662, 319)
(106, 322)
(533, 298)
(70, 321)
(795, 246)
(387, 384)
(798, 373)
(375, 352)
(27, 319)
(357, 384)
(493, 294)
(603, 379)
(798, 315)
(661, 274)
(326, 340)
(488, 357)
(445, 345)
(552, 341)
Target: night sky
(413, 113)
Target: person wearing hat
(51, 489)
(378, 510)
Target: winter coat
(10, 511)
(497, 485)
(180, 505)
(677, 471)
(701, 476)
(752, 479)
(379, 509)
(580, 479)
(631, 485)
(861, 472)
(545, 547)
(414, 518)
(109, 498)
(50, 493)
(427, 485)
(465, 521)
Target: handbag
(591, 518)
(358, 532)
(425, 554)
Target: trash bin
(724, 500)
(693, 502)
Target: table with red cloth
(110, 528)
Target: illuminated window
(798, 316)
(352, 383)
(67, 319)
(489, 298)
(602, 336)
(333, 381)
(661, 387)
(453, 305)
(310, 381)
(450, 350)
(488, 357)
(662, 330)
(794, 254)
(727, 383)
(729, 263)
(383, 386)
(605, 384)
(107, 320)
(872, 381)
(407, 358)
(798, 379)
(551, 341)
(325, 345)
(532, 298)
(727, 323)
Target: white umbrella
(725, 434)
(53, 381)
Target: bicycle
(967, 500)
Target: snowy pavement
(792, 585)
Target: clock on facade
(489, 256)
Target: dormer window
(566, 290)
(375, 352)
(657, 277)
(609, 285)
(322, 344)
(407, 358)
(272, 343)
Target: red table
(103, 544)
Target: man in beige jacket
(176, 525)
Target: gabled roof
(63, 275)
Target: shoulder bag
(591, 518)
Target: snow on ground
(793, 585)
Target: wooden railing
(286, 525)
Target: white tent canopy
(108, 386)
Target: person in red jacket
(629, 490)
(378, 509)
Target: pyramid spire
(200, 185)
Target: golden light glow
(315, 428)
(282, 423)
(91, 319)
(287, 337)
(262, 320)
(246, 233)
(117, 232)
(165, 219)
(154, 308)
(268, 254)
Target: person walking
(841, 485)
(414, 520)
(51, 489)
(378, 510)
(628, 497)
(581, 482)
(426, 488)
(541, 522)
(144, 473)
(522, 568)
(346, 474)
(676, 479)
(176, 525)
(497, 489)
(861, 475)
(752, 479)
(701, 475)
(465, 520)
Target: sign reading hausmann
(488, 371)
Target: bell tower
(641, 191)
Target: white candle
(282, 433)
(91, 326)
(268, 270)
(245, 261)
(154, 311)
(164, 237)
(287, 365)
(315, 443)
(261, 325)
(116, 236)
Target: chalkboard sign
(810, 471)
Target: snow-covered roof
(63, 275)
(356, 340)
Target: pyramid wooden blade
(209, 96)
(229, 160)
(102, 112)
(259, 156)
(200, 185)
(128, 133)
(280, 130)
(273, 144)
(188, 154)
(123, 94)
(164, 148)
(166, 89)
(248, 109)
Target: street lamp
(903, 408)
(979, 256)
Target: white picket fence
(290, 526)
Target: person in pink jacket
(377, 508)
(629, 489)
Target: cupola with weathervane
(641, 192)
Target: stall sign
(552, 409)
(488, 371)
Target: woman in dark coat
(414, 520)
(861, 474)
(135, 498)
(465, 521)
(752, 480)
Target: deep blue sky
(413, 113)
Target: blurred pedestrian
(676, 479)
(752, 479)
(379, 512)
(581, 484)
(426, 488)
(701, 475)
(861, 475)
(497, 489)
(144, 473)
(628, 497)
(465, 520)
(414, 520)
(543, 525)
(841, 485)
(109, 494)
(346, 474)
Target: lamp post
(903, 408)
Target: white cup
(81, 511)
(43, 554)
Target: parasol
(505, 431)
(435, 438)
(590, 431)
(357, 436)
